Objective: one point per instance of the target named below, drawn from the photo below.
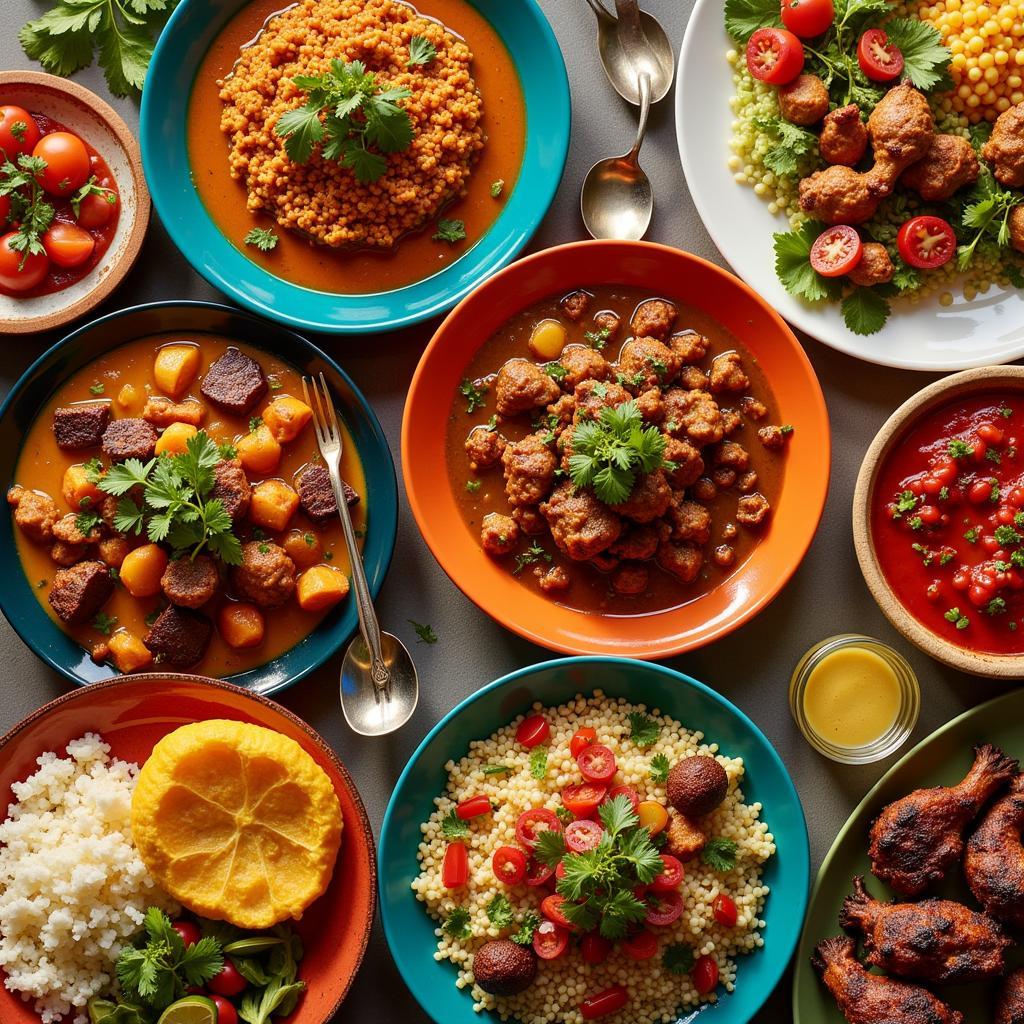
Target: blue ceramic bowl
(18, 601)
(180, 50)
(409, 929)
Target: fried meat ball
(841, 195)
(949, 164)
(844, 136)
(499, 534)
(804, 101)
(874, 267)
(1005, 147)
(1017, 228)
(901, 127)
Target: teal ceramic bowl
(182, 45)
(410, 931)
(17, 598)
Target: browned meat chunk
(79, 592)
(179, 636)
(129, 438)
(521, 386)
(647, 363)
(608, 320)
(727, 374)
(316, 496)
(648, 500)
(723, 477)
(231, 486)
(529, 469)
(949, 164)
(683, 561)
(901, 128)
(234, 383)
(653, 318)
(555, 579)
(731, 454)
(773, 437)
(1017, 228)
(685, 839)
(80, 426)
(844, 136)
(704, 490)
(1010, 1000)
(747, 481)
(803, 101)
(266, 576)
(752, 509)
(689, 520)
(583, 363)
(687, 460)
(581, 525)
(638, 543)
(529, 520)
(575, 304)
(66, 554)
(162, 413)
(594, 395)
(731, 421)
(651, 405)
(190, 582)
(499, 534)
(35, 514)
(693, 378)
(840, 195)
(689, 346)
(484, 447)
(875, 266)
(695, 414)
(1004, 149)
(753, 409)
(66, 530)
(113, 550)
(630, 579)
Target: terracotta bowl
(969, 382)
(84, 113)
(133, 713)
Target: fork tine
(336, 432)
(316, 419)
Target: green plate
(940, 760)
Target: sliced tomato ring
(671, 876)
(597, 763)
(627, 791)
(594, 948)
(549, 940)
(473, 807)
(581, 739)
(836, 251)
(537, 872)
(582, 835)
(603, 1003)
(509, 865)
(584, 798)
(926, 242)
(455, 869)
(532, 823)
(663, 908)
(533, 731)
(641, 945)
(775, 55)
(879, 59)
(551, 908)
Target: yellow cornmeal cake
(238, 822)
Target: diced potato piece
(547, 340)
(320, 587)
(130, 399)
(286, 418)
(303, 548)
(273, 504)
(259, 451)
(142, 568)
(175, 368)
(241, 625)
(77, 486)
(174, 439)
(128, 651)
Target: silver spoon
(617, 200)
(379, 686)
(626, 48)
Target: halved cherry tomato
(509, 865)
(724, 909)
(597, 763)
(226, 1012)
(67, 163)
(228, 981)
(603, 1003)
(807, 18)
(836, 251)
(581, 739)
(67, 244)
(21, 271)
(594, 948)
(926, 242)
(551, 908)
(189, 932)
(775, 55)
(627, 791)
(473, 807)
(582, 835)
(705, 975)
(663, 908)
(455, 869)
(537, 872)
(671, 876)
(97, 207)
(531, 823)
(653, 816)
(641, 945)
(583, 799)
(533, 731)
(879, 59)
(549, 941)
(18, 132)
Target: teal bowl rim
(62, 653)
(796, 853)
(168, 171)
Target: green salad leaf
(744, 17)
(793, 266)
(926, 58)
(865, 310)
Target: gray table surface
(752, 667)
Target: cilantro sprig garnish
(30, 209)
(454, 827)
(264, 239)
(719, 853)
(660, 767)
(456, 924)
(499, 911)
(986, 218)
(527, 926)
(421, 51)
(643, 731)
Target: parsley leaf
(421, 51)
(678, 958)
(719, 854)
(497, 187)
(473, 395)
(550, 847)
(457, 923)
(643, 731)
(451, 231)
(264, 239)
(499, 911)
(103, 623)
(793, 264)
(791, 143)
(527, 926)
(539, 762)
(660, 768)
(865, 311)
(926, 58)
(453, 827)
(744, 17)
(425, 634)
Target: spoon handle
(600, 10)
(631, 32)
(645, 110)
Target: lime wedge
(190, 1010)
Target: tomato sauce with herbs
(948, 522)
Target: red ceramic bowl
(660, 270)
(134, 712)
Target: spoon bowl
(617, 200)
(368, 709)
(625, 56)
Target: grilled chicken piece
(916, 840)
(865, 998)
(994, 863)
(1010, 1000)
(933, 941)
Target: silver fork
(376, 663)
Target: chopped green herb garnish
(915, 523)
(499, 911)
(997, 606)
(678, 958)
(473, 395)
(534, 553)
(943, 493)
(98, 388)
(456, 924)
(959, 449)
(264, 239)
(719, 854)
(451, 231)
(643, 731)
(660, 768)
(527, 926)
(972, 535)
(103, 623)
(598, 339)
(539, 762)
(421, 51)
(497, 187)
(453, 827)
(473, 486)
(556, 371)
(1007, 535)
(954, 615)
(1005, 411)
(425, 634)
(495, 769)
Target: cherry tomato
(509, 865)
(641, 945)
(5, 210)
(836, 251)
(926, 242)
(533, 731)
(560, 870)
(551, 908)
(549, 941)
(597, 763)
(879, 59)
(705, 975)
(594, 948)
(979, 491)
(18, 132)
(226, 1013)
(582, 835)
(583, 799)
(96, 209)
(531, 823)
(537, 872)
(671, 876)
(19, 276)
(663, 908)
(775, 55)
(628, 792)
(188, 931)
(581, 739)
(473, 807)
(725, 910)
(67, 163)
(68, 245)
(653, 816)
(991, 433)
(603, 1003)
(807, 18)
(455, 869)
(228, 982)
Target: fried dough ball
(949, 164)
(1005, 147)
(844, 136)
(804, 101)
(875, 267)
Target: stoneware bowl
(959, 385)
(84, 113)
(132, 714)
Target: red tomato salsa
(948, 522)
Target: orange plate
(661, 271)
(132, 713)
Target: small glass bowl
(906, 717)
